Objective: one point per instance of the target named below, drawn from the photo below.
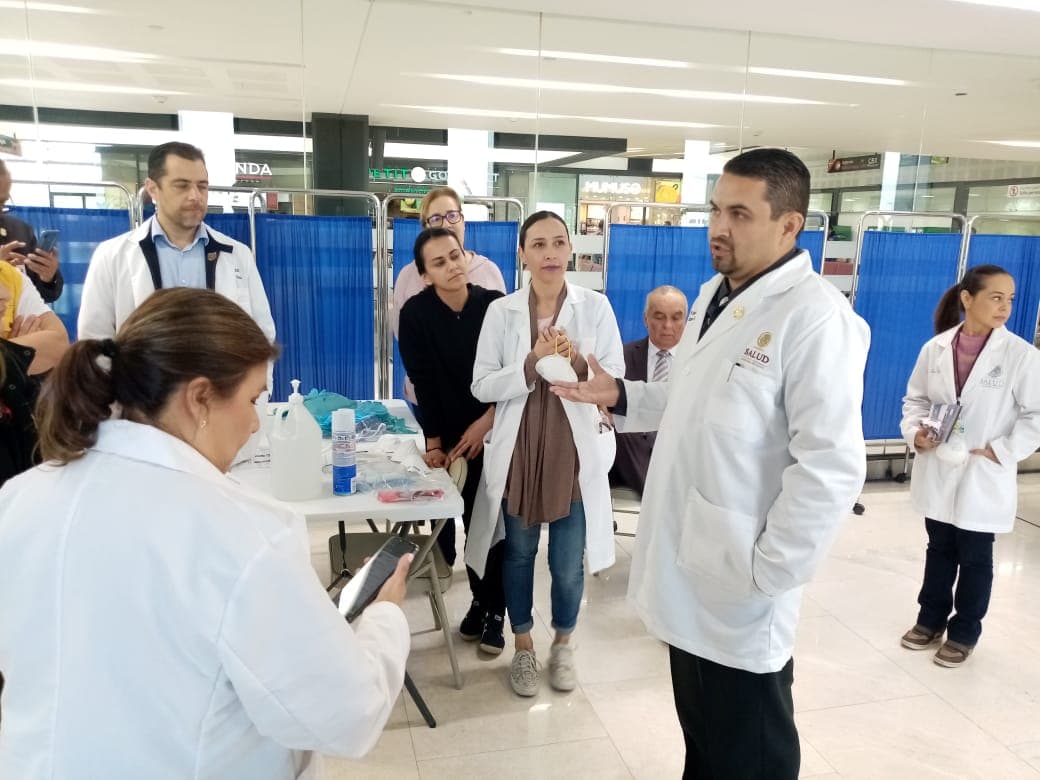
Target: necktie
(664, 363)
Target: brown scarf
(543, 475)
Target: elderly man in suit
(649, 359)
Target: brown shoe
(952, 654)
(920, 638)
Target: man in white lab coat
(759, 456)
(175, 248)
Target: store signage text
(1023, 190)
(252, 170)
(612, 187)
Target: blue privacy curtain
(901, 278)
(235, 225)
(318, 275)
(812, 242)
(1019, 256)
(81, 231)
(642, 257)
(495, 240)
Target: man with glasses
(18, 247)
(441, 208)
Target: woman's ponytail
(948, 312)
(74, 400)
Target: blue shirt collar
(158, 232)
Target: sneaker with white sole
(523, 673)
(562, 676)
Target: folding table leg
(419, 701)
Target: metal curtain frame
(684, 208)
(491, 200)
(382, 326)
(254, 194)
(1003, 217)
(951, 215)
(386, 268)
(130, 202)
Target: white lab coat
(758, 458)
(1001, 408)
(498, 377)
(158, 622)
(118, 281)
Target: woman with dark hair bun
(157, 620)
(965, 482)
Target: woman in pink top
(441, 207)
(966, 486)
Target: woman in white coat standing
(547, 460)
(166, 623)
(967, 487)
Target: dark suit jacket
(633, 449)
(17, 230)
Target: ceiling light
(812, 74)
(74, 86)
(501, 114)
(66, 51)
(648, 62)
(19, 5)
(1018, 5)
(1017, 144)
(618, 89)
(680, 64)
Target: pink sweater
(481, 272)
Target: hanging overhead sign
(864, 162)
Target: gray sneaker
(523, 673)
(562, 676)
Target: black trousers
(737, 725)
(964, 556)
(489, 591)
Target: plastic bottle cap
(343, 420)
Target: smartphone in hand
(48, 240)
(364, 586)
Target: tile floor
(866, 708)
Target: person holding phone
(547, 460)
(967, 487)
(438, 335)
(19, 247)
(177, 627)
(441, 208)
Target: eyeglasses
(451, 217)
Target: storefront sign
(864, 162)
(608, 188)
(416, 175)
(10, 144)
(252, 170)
(1023, 190)
(918, 160)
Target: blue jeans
(964, 556)
(566, 565)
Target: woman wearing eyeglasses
(441, 208)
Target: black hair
(424, 238)
(786, 178)
(537, 217)
(948, 312)
(157, 157)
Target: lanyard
(959, 385)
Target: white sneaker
(562, 676)
(523, 673)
